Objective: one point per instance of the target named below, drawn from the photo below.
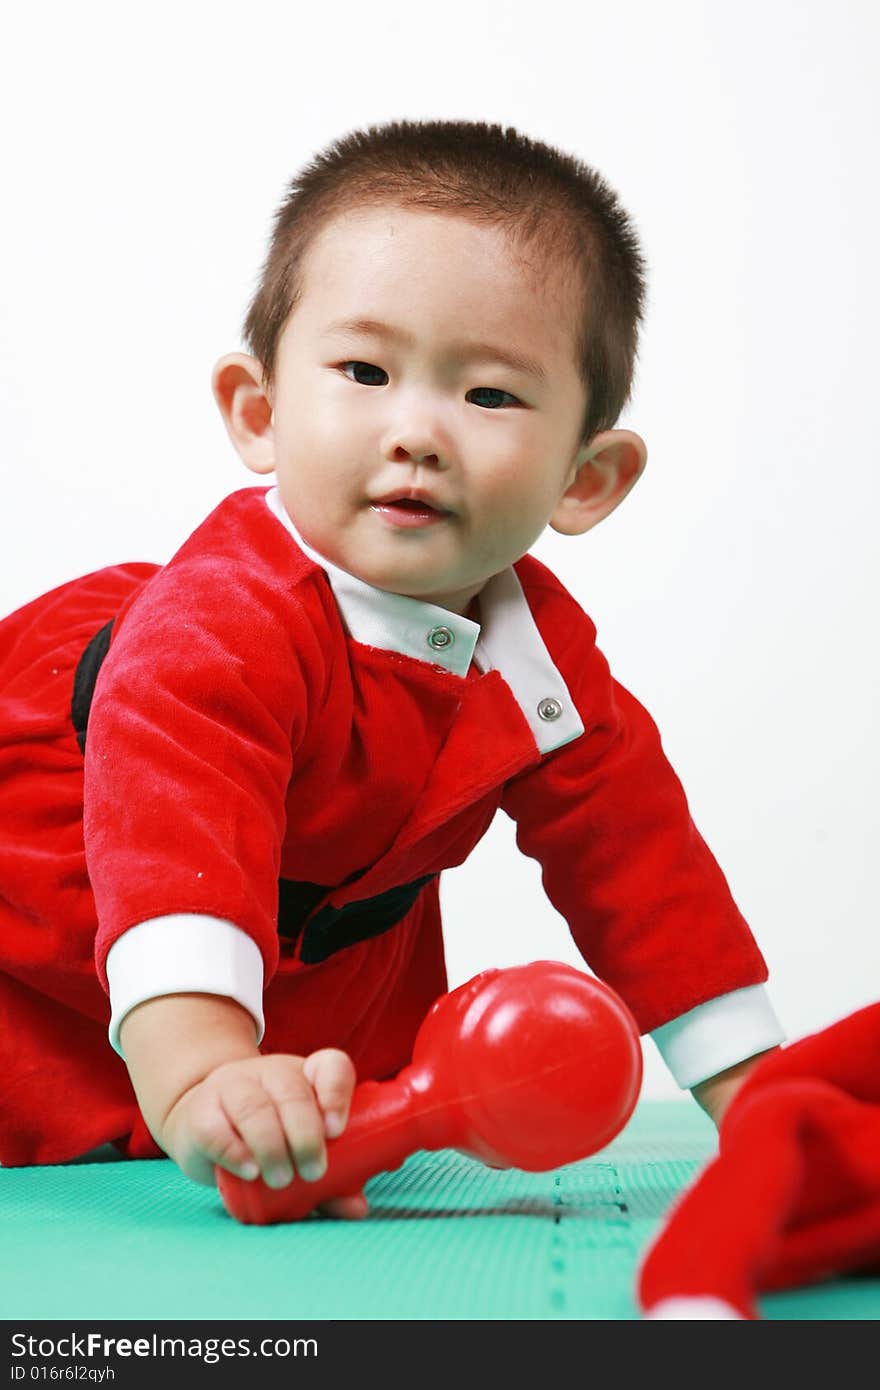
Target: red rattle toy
(528, 1067)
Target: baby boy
(237, 777)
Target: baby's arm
(210, 1097)
(716, 1092)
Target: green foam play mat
(447, 1238)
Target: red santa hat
(794, 1193)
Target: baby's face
(412, 455)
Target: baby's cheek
(517, 511)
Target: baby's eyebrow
(508, 357)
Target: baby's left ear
(607, 468)
(240, 393)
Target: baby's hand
(265, 1116)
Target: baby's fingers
(205, 1138)
(300, 1117)
(332, 1075)
(353, 1208)
(276, 1116)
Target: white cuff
(185, 953)
(718, 1034)
(693, 1308)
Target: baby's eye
(367, 367)
(492, 391)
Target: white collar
(508, 639)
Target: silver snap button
(440, 638)
(549, 709)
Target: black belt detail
(334, 928)
(87, 669)
(295, 902)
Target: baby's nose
(417, 434)
(400, 453)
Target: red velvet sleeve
(197, 711)
(608, 820)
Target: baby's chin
(394, 566)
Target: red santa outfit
(241, 773)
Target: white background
(735, 591)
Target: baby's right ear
(240, 393)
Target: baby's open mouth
(410, 511)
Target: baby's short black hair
(555, 207)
